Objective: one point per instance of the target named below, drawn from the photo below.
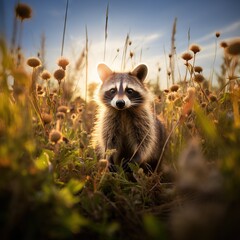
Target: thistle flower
(23, 11)
(59, 75)
(199, 78)
(63, 109)
(55, 136)
(33, 62)
(73, 117)
(203, 104)
(63, 62)
(174, 88)
(195, 48)
(60, 115)
(223, 44)
(233, 47)
(45, 75)
(217, 34)
(198, 69)
(213, 98)
(47, 118)
(187, 56)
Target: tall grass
(53, 186)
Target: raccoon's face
(122, 90)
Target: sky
(148, 23)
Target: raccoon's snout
(120, 104)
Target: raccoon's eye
(112, 90)
(129, 90)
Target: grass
(52, 185)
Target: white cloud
(228, 29)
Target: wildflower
(59, 75)
(55, 136)
(174, 88)
(187, 56)
(33, 62)
(166, 90)
(223, 44)
(73, 117)
(60, 115)
(63, 62)
(217, 34)
(203, 104)
(195, 48)
(23, 11)
(47, 118)
(188, 105)
(45, 75)
(198, 69)
(213, 98)
(62, 108)
(171, 97)
(199, 78)
(233, 47)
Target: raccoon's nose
(120, 104)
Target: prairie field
(53, 184)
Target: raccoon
(126, 124)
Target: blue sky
(148, 22)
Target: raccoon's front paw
(125, 166)
(112, 167)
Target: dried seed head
(59, 75)
(233, 47)
(63, 62)
(195, 48)
(45, 75)
(60, 115)
(73, 117)
(47, 118)
(166, 90)
(198, 69)
(174, 88)
(55, 136)
(187, 56)
(217, 34)
(203, 104)
(23, 11)
(213, 98)
(171, 97)
(199, 78)
(223, 44)
(131, 54)
(33, 62)
(63, 109)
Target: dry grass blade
(123, 65)
(86, 67)
(172, 62)
(64, 28)
(106, 33)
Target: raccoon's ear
(140, 72)
(104, 71)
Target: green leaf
(205, 123)
(42, 162)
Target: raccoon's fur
(126, 124)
